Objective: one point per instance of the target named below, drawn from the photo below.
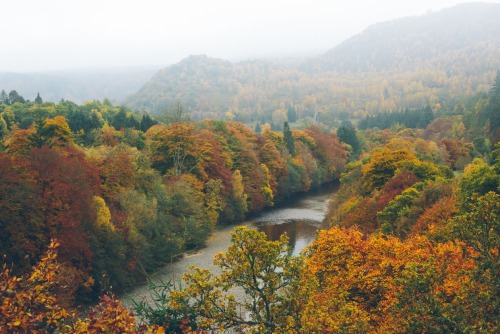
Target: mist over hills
(433, 59)
(412, 62)
(441, 40)
(78, 85)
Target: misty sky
(40, 35)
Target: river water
(299, 217)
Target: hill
(465, 35)
(78, 85)
(408, 63)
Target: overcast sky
(41, 35)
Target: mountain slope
(461, 33)
(433, 59)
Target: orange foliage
(434, 218)
(390, 286)
(30, 305)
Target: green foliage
(288, 139)
(158, 312)
(261, 268)
(347, 134)
(418, 118)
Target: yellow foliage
(381, 284)
(103, 215)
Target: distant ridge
(466, 32)
(405, 63)
(78, 85)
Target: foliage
(261, 268)
(30, 305)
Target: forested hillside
(448, 40)
(123, 194)
(430, 60)
(411, 243)
(94, 196)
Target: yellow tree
(262, 269)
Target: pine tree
(347, 134)
(494, 112)
(38, 99)
(291, 113)
(288, 138)
(4, 97)
(258, 129)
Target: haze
(60, 34)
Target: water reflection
(299, 217)
(300, 232)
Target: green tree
(177, 113)
(347, 134)
(38, 99)
(4, 98)
(147, 122)
(292, 114)
(258, 129)
(288, 138)
(15, 97)
(494, 112)
(263, 269)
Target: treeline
(123, 194)
(418, 118)
(411, 248)
(265, 91)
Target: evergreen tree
(292, 114)
(258, 128)
(347, 134)
(494, 112)
(4, 97)
(426, 117)
(38, 99)
(147, 122)
(288, 138)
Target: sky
(47, 35)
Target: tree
(258, 128)
(147, 122)
(4, 98)
(494, 112)
(292, 114)
(263, 269)
(15, 97)
(347, 134)
(54, 132)
(38, 99)
(383, 165)
(177, 113)
(288, 138)
(178, 150)
(30, 305)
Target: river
(299, 217)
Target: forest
(94, 196)
(123, 194)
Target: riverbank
(299, 217)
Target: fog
(60, 34)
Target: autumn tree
(178, 149)
(383, 165)
(262, 269)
